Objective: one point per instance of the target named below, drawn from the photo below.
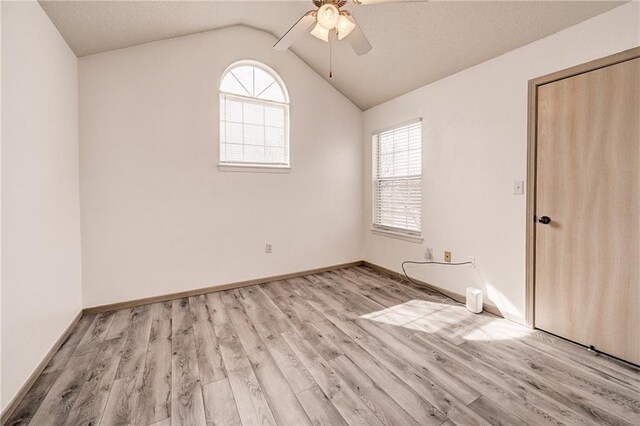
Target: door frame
(532, 149)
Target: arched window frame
(233, 161)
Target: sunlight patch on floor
(452, 321)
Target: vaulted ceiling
(414, 43)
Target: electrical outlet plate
(447, 256)
(268, 248)
(518, 187)
(428, 254)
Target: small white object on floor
(474, 300)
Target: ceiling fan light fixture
(320, 32)
(328, 16)
(345, 25)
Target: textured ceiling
(414, 43)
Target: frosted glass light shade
(320, 32)
(328, 16)
(345, 25)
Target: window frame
(395, 232)
(222, 95)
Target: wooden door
(587, 259)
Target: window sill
(250, 168)
(397, 235)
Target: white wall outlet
(471, 259)
(518, 187)
(428, 254)
(268, 248)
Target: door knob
(545, 220)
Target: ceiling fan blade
(299, 28)
(357, 40)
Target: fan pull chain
(330, 62)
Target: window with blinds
(397, 179)
(254, 117)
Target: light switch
(518, 187)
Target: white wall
(159, 217)
(474, 148)
(41, 291)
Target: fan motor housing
(337, 3)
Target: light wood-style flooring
(352, 346)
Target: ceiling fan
(330, 20)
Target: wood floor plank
(438, 324)
(524, 409)
(136, 338)
(443, 378)
(460, 368)
(349, 346)
(280, 395)
(60, 359)
(276, 289)
(420, 410)
(303, 319)
(348, 404)
(319, 409)
(610, 410)
(93, 395)
(618, 372)
(161, 311)
(322, 343)
(233, 354)
(219, 404)
(300, 286)
(58, 402)
(381, 404)
(121, 321)
(584, 381)
(124, 404)
(32, 400)
(187, 407)
(423, 385)
(493, 412)
(217, 311)
(496, 336)
(514, 396)
(252, 404)
(414, 290)
(391, 293)
(95, 333)
(334, 286)
(156, 379)
(210, 362)
(269, 322)
(430, 366)
(423, 313)
(386, 295)
(250, 399)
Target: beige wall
(157, 214)
(41, 291)
(474, 148)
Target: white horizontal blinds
(253, 118)
(398, 179)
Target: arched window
(254, 116)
